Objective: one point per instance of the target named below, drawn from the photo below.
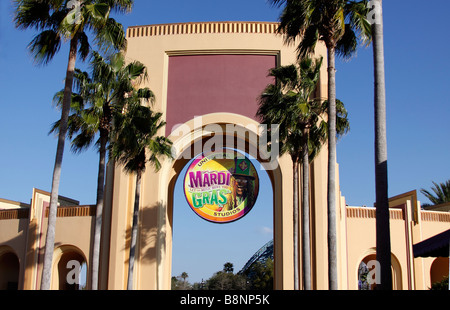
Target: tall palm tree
(136, 144)
(383, 243)
(98, 98)
(57, 21)
(339, 24)
(289, 103)
(441, 193)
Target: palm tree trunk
(296, 224)
(305, 209)
(99, 211)
(383, 244)
(134, 229)
(50, 237)
(331, 188)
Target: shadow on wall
(147, 235)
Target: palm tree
(338, 23)
(57, 21)
(383, 243)
(441, 193)
(228, 267)
(111, 81)
(184, 276)
(134, 145)
(289, 103)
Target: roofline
(209, 22)
(203, 28)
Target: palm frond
(357, 12)
(342, 122)
(348, 43)
(288, 103)
(441, 193)
(121, 6)
(45, 46)
(31, 14)
(277, 3)
(338, 23)
(111, 36)
(84, 47)
(57, 22)
(136, 134)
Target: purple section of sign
(203, 84)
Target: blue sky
(418, 110)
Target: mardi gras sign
(221, 187)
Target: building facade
(207, 78)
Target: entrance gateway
(207, 78)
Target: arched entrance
(367, 272)
(70, 269)
(439, 270)
(245, 137)
(154, 249)
(201, 248)
(9, 269)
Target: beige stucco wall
(409, 225)
(13, 237)
(152, 45)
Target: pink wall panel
(203, 84)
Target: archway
(9, 270)
(246, 138)
(70, 269)
(367, 272)
(439, 270)
(201, 248)
(364, 273)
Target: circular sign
(221, 187)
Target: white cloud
(264, 230)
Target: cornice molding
(202, 28)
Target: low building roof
(436, 246)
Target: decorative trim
(224, 52)
(77, 211)
(14, 214)
(370, 213)
(202, 28)
(435, 216)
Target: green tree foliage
(440, 286)
(228, 267)
(290, 103)
(339, 24)
(441, 193)
(180, 282)
(97, 98)
(226, 281)
(260, 275)
(59, 21)
(136, 144)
